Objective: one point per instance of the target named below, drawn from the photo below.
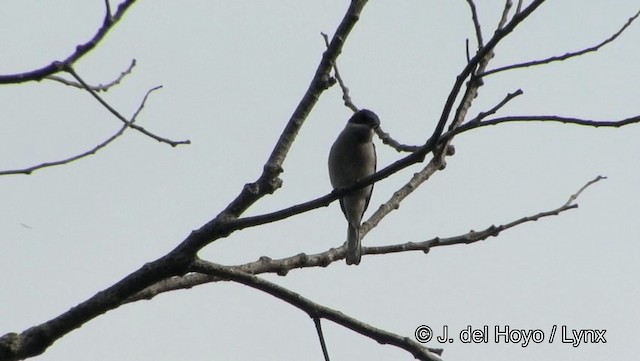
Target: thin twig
(384, 137)
(498, 106)
(120, 116)
(99, 87)
(108, 18)
(345, 91)
(476, 23)
(483, 57)
(325, 352)
(565, 56)
(316, 310)
(91, 151)
(466, 48)
(550, 118)
(388, 140)
(474, 236)
(579, 192)
(505, 14)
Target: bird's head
(365, 117)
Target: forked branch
(89, 152)
(315, 310)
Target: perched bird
(353, 157)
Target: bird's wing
(375, 166)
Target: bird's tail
(353, 245)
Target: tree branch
(37, 339)
(269, 180)
(476, 123)
(284, 265)
(345, 91)
(318, 324)
(498, 106)
(223, 226)
(473, 236)
(476, 23)
(117, 114)
(56, 66)
(315, 310)
(566, 55)
(96, 88)
(438, 161)
(91, 151)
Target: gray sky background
(233, 71)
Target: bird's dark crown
(365, 117)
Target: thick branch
(37, 339)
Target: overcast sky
(233, 72)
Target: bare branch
(577, 194)
(119, 116)
(505, 13)
(385, 137)
(37, 339)
(229, 225)
(91, 151)
(473, 236)
(479, 64)
(387, 140)
(547, 118)
(318, 324)
(99, 87)
(436, 163)
(315, 310)
(498, 106)
(108, 18)
(284, 265)
(519, 7)
(345, 91)
(466, 48)
(565, 56)
(269, 180)
(80, 51)
(398, 196)
(476, 23)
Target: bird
(353, 157)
